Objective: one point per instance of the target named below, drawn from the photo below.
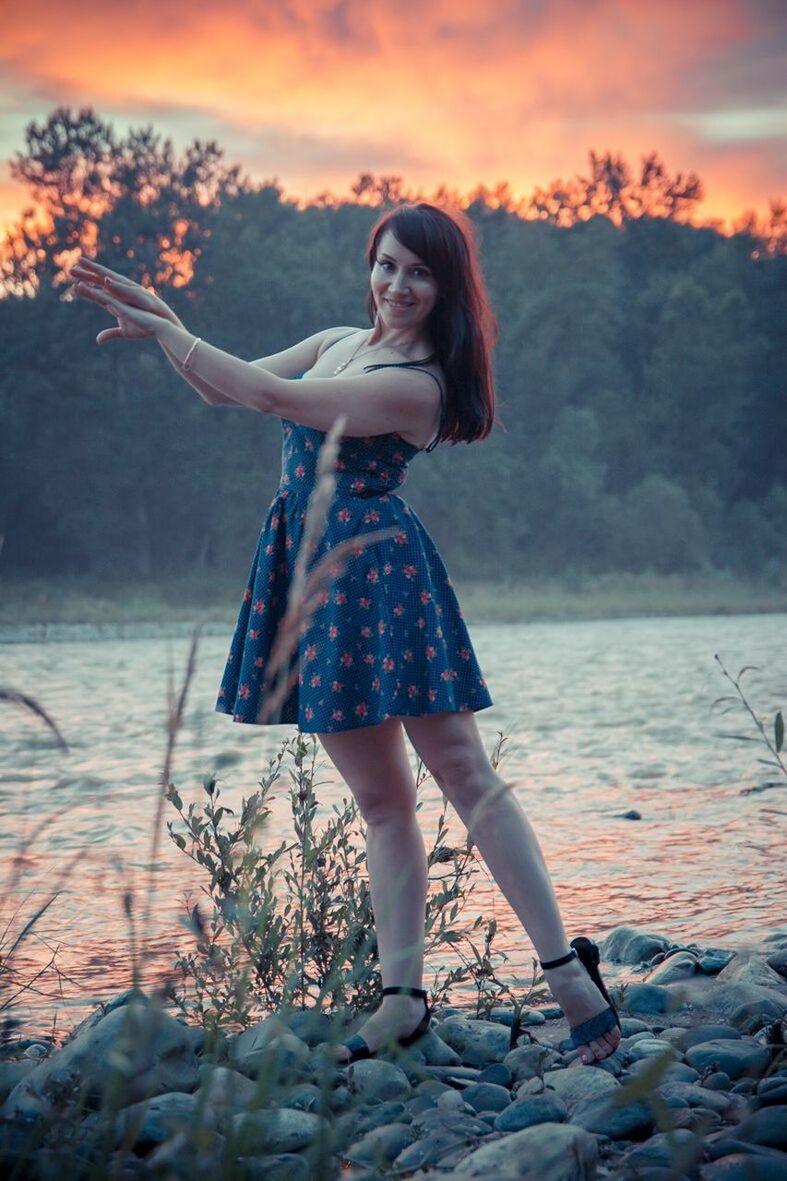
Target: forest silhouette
(640, 369)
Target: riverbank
(39, 605)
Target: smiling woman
(387, 651)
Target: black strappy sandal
(358, 1047)
(588, 954)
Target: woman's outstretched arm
(388, 400)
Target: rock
(632, 945)
(497, 1072)
(531, 1110)
(431, 1148)
(574, 1085)
(627, 1121)
(223, 1087)
(773, 1089)
(751, 968)
(718, 1081)
(12, 1073)
(436, 1051)
(713, 959)
(278, 1166)
(374, 1080)
(725, 997)
(158, 1119)
(658, 1151)
(276, 1130)
(735, 1058)
(768, 1127)
(649, 998)
(527, 1062)
(778, 962)
(380, 1146)
(696, 1096)
(740, 1166)
(546, 1152)
(629, 1026)
(391, 1112)
(268, 1046)
(487, 1097)
(751, 1016)
(703, 1033)
(651, 1048)
(678, 967)
(312, 1026)
(137, 1044)
(476, 1042)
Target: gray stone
(726, 997)
(704, 1033)
(649, 998)
(533, 1109)
(436, 1051)
(674, 1072)
(773, 1089)
(777, 962)
(751, 968)
(497, 1072)
(678, 967)
(374, 1080)
(136, 1044)
(391, 1112)
(751, 1016)
(278, 1166)
(718, 1081)
(476, 1042)
(651, 1047)
(680, 1148)
(546, 1152)
(268, 1047)
(740, 1166)
(574, 1085)
(223, 1087)
(381, 1145)
(735, 1058)
(432, 1148)
(713, 960)
(276, 1130)
(160, 1118)
(632, 945)
(629, 1026)
(312, 1026)
(696, 1096)
(625, 1121)
(12, 1073)
(768, 1126)
(527, 1062)
(487, 1097)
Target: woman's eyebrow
(392, 259)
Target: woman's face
(403, 287)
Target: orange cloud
(455, 91)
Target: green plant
(774, 746)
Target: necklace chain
(343, 364)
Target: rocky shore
(696, 1089)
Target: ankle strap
(392, 988)
(564, 959)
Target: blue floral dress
(388, 638)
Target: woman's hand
(93, 279)
(133, 322)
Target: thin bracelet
(187, 357)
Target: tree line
(640, 369)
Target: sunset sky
(313, 92)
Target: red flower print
(343, 514)
(310, 652)
(300, 678)
(408, 655)
(464, 653)
(371, 516)
(362, 709)
(385, 475)
(387, 568)
(332, 632)
(357, 550)
(340, 465)
(324, 597)
(432, 694)
(268, 549)
(340, 597)
(259, 606)
(308, 444)
(358, 485)
(438, 609)
(334, 568)
(347, 659)
(372, 575)
(300, 471)
(338, 715)
(431, 652)
(449, 674)
(398, 456)
(412, 690)
(401, 537)
(376, 684)
(388, 664)
(337, 686)
(366, 632)
(254, 633)
(364, 602)
(381, 627)
(371, 465)
(425, 596)
(275, 521)
(221, 692)
(246, 595)
(439, 633)
(409, 571)
(369, 658)
(420, 622)
(244, 691)
(481, 681)
(316, 680)
(398, 609)
(285, 479)
(230, 658)
(259, 661)
(309, 712)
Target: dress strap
(415, 365)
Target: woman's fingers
(109, 334)
(91, 266)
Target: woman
(387, 653)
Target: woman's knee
(451, 749)
(376, 769)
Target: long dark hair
(462, 324)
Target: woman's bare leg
(374, 763)
(450, 746)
